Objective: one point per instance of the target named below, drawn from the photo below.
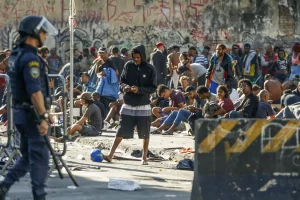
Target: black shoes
(38, 198)
(3, 191)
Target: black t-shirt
(101, 107)
(119, 63)
(108, 64)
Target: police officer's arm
(4, 64)
(31, 74)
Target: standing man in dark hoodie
(137, 82)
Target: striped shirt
(140, 111)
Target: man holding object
(137, 82)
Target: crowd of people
(227, 83)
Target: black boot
(3, 191)
(38, 197)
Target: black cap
(102, 50)
(84, 73)
(189, 89)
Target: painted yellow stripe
(250, 136)
(297, 150)
(215, 137)
(285, 133)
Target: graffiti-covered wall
(183, 22)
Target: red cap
(296, 48)
(92, 49)
(160, 44)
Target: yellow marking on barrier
(250, 136)
(227, 153)
(297, 150)
(285, 133)
(215, 137)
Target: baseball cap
(189, 89)
(86, 96)
(92, 49)
(102, 50)
(160, 44)
(84, 73)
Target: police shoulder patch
(35, 72)
(34, 64)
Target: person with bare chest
(274, 87)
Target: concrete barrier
(247, 159)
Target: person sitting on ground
(225, 103)
(274, 87)
(87, 84)
(157, 104)
(255, 90)
(297, 90)
(176, 117)
(264, 107)
(91, 122)
(249, 105)
(176, 97)
(289, 98)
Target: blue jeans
(235, 114)
(176, 117)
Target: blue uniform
(27, 73)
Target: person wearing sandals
(137, 83)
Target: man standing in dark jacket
(220, 70)
(137, 82)
(159, 61)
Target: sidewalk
(168, 147)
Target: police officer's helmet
(34, 25)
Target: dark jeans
(235, 114)
(106, 101)
(35, 159)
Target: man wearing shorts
(90, 123)
(137, 83)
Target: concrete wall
(183, 22)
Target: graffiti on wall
(126, 24)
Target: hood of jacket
(142, 50)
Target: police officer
(30, 87)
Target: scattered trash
(121, 184)
(186, 164)
(151, 156)
(171, 195)
(52, 175)
(269, 184)
(80, 157)
(71, 143)
(96, 155)
(72, 187)
(187, 150)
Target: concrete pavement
(159, 180)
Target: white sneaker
(105, 125)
